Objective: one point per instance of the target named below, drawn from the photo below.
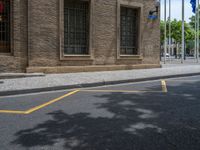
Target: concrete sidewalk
(76, 80)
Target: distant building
(172, 50)
(78, 35)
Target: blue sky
(176, 9)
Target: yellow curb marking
(12, 112)
(164, 86)
(40, 106)
(50, 102)
(163, 83)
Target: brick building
(65, 35)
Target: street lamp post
(170, 26)
(195, 41)
(165, 38)
(183, 31)
(198, 31)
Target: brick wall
(17, 60)
(44, 38)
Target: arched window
(5, 26)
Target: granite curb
(86, 85)
(20, 75)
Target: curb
(86, 85)
(20, 75)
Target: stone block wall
(37, 36)
(16, 61)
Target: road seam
(121, 91)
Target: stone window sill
(132, 57)
(77, 57)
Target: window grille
(4, 26)
(129, 31)
(76, 27)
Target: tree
(176, 31)
(192, 22)
(162, 32)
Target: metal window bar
(129, 31)
(5, 26)
(76, 27)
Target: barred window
(76, 27)
(4, 26)
(129, 31)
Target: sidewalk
(76, 80)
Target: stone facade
(37, 38)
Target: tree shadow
(141, 121)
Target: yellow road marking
(12, 112)
(164, 89)
(164, 86)
(119, 91)
(50, 102)
(40, 106)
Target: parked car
(167, 55)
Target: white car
(167, 55)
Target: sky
(176, 9)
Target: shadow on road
(140, 122)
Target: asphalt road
(154, 115)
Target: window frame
(134, 5)
(64, 56)
(11, 32)
(124, 27)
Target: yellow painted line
(38, 107)
(164, 89)
(164, 86)
(50, 102)
(12, 112)
(119, 91)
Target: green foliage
(162, 30)
(176, 31)
(192, 22)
